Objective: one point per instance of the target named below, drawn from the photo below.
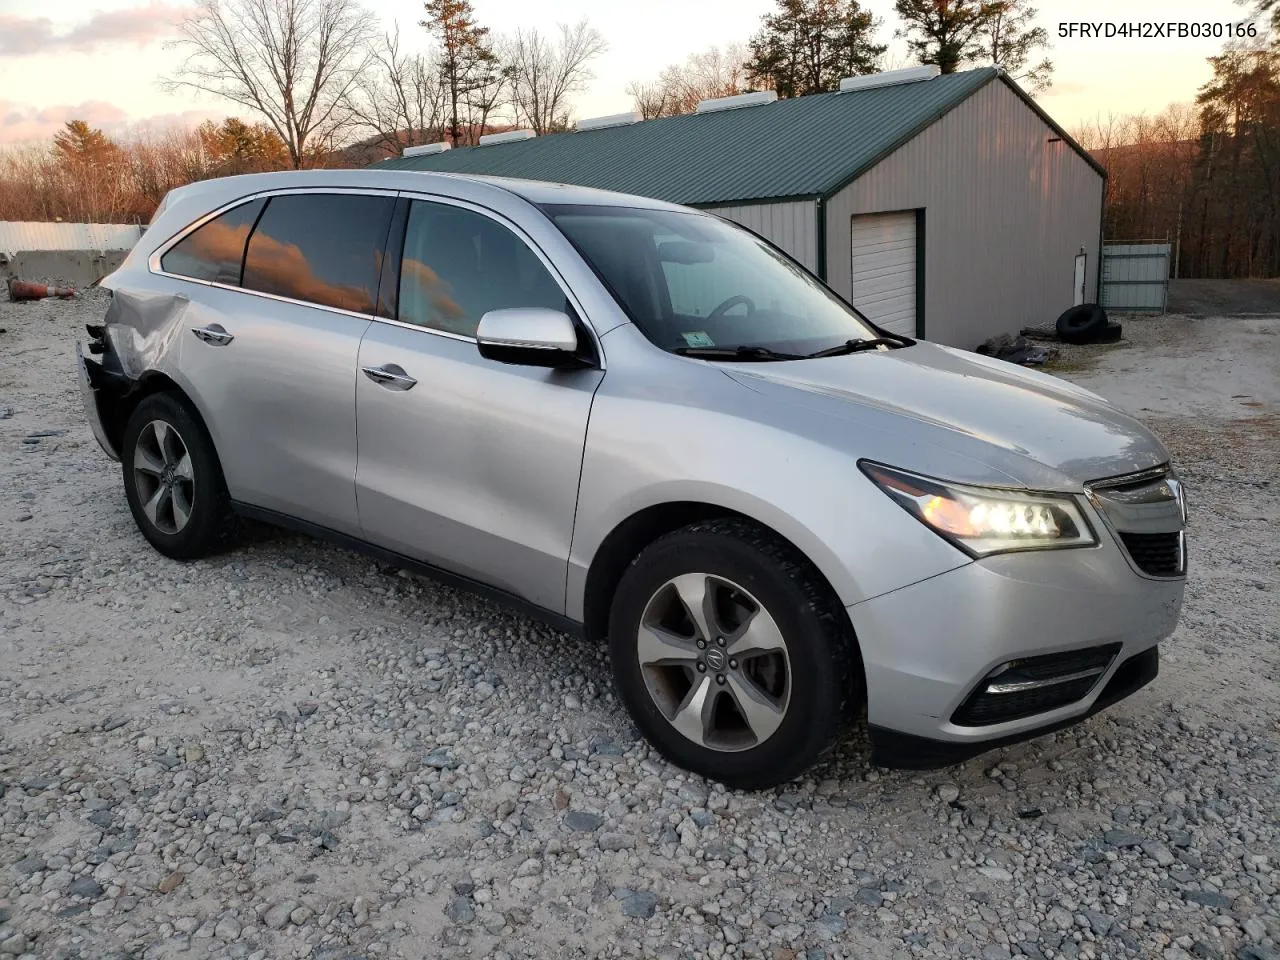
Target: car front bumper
(930, 648)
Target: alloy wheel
(163, 477)
(714, 662)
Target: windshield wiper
(736, 353)
(857, 346)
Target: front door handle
(390, 375)
(214, 334)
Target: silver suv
(650, 426)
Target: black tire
(210, 524)
(826, 685)
(1082, 324)
(1112, 333)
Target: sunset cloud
(20, 122)
(140, 26)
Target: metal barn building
(949, 207)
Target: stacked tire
(1087, 323)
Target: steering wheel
(729, 304)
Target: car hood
(1034, 429)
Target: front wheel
(732, 654)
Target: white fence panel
(17, 236)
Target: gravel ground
(288, 751)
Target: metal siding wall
(1006, 214)
(791, 225)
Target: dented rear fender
(136, 344)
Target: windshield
(693, 283)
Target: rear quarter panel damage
(139, 338)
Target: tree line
(317, 71)
(808, 46)
(84, 176)
(326, 86)
(1206, 175)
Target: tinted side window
(458, 265)
(322, 248)
(216, 250)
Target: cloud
(141, 25)
(159, 122)
(20, 122)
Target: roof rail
(754, 99)
(889, 78)
(613, 120)
(422, 148)
(508, 137)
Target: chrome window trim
(153, 260)
(446, 334)
(528, 241)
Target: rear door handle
(214, 334)
(391, 376)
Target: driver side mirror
(529, 336)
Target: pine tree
(80, 143)
(468, 63)
(943, 32)
(234, 146)
(807, 46)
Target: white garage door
(884, 269)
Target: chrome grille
(1147, 514)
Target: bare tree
(398, 96)
(545, 72)
(650, 99)
(1009, 38)
(293, 62)
(487, 97)
(706, 75)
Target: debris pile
(1085, 323)
(1016, 350)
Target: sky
(100, 60)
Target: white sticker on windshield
(698, 339)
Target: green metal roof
(802, 147)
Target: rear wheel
(173, 481)
(732, 655)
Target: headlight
(983, 521)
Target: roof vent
(508, 137)
(613, 120)
(741, 100)
(419, 150)
(889, 78)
